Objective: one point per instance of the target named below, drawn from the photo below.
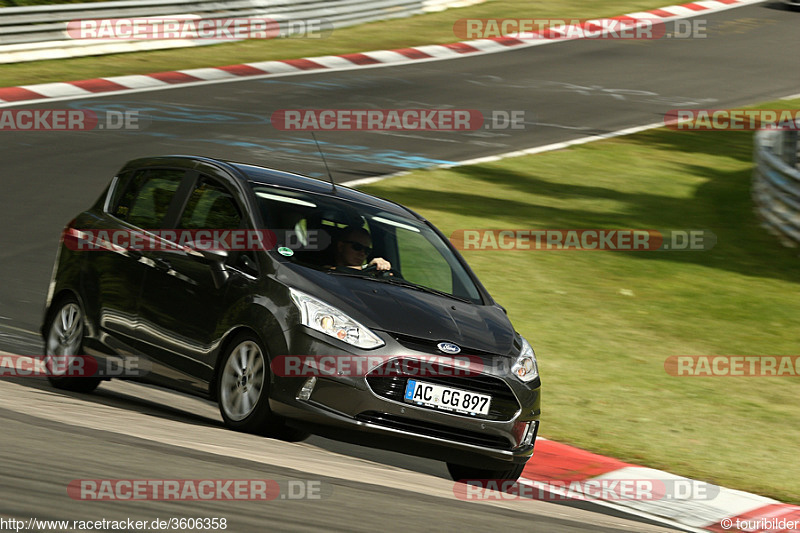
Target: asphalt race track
(567, 90)
(127, 431)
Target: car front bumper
(351, 408)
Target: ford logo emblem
(449, 347)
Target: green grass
(603, 323)
(397, 33)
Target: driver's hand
(381, 263)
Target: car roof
(275, 178)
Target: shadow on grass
(722, 204)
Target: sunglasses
(358, 247)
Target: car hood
(411, 313)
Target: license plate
(447, 398)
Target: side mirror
(214, 259)
(213, 256)
(249, 264)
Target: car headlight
(525, 367)
(326, 319)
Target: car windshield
(316, 230)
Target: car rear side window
(147, 196)
(210, 206)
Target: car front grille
(391, 384)
(428, 346)
(435, 430)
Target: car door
(113, 277)
(182, 303)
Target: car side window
(210, 206)
(146, 197)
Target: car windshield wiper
(405, 283)
(400, 282)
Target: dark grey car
(287, 343)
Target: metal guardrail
(31, 33)
(776, 183)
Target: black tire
(65, 329)
(243, 391)
(466, 473)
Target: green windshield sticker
(288, 252)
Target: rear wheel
(64, 343)
(461, 472)
(243, 392)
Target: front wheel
(243, 392)
(65, 343)
(467, 473)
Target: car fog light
(531, 433)
(307, 389)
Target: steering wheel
(382, 273)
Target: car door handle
(162, 264)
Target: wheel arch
(226, 344)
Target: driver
(353, 248)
